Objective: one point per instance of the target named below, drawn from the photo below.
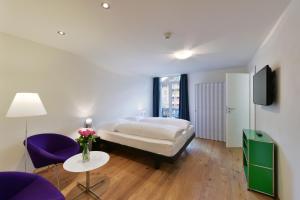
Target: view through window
(169, 94)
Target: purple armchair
(50, 148)
(25, 186)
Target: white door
(237, 107)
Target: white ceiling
(129, 36)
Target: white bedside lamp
(26, 105)
(88, 123)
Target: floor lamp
(26, 105)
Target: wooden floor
(206, 171)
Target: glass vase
(85, 152)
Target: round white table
(75, 164)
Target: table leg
(93, 194)
(77, 196)
(87, 188)
(82, 187)
(93, 186)
(87, 180)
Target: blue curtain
(156, 94)
(184, 98)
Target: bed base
(157, 158)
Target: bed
(161, 147)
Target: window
(169, 94)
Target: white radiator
(210, 111)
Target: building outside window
(169, 96)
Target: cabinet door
(261, 154)
(261, 179)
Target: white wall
(207, 76)
(281, 121)
(71, 89)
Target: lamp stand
(34, 107)
(26, 133)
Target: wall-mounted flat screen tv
(263, 86)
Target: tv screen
(262, 87)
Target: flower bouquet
(87, 135)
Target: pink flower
(86, 132)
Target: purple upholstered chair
(50, 148)
(26, 186)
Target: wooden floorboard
(207, 170)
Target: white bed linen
(162, 147)
(149, 130)
(180, 123)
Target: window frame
(169, 83)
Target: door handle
(229, 109)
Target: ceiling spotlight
(183, 54)
(105, 5)
(61, 33)
(167, 35)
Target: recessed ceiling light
(183, 54)
(61, 33)
(167, 35)
(105, 5)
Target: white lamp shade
(89, 121)
(26, 105)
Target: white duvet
(149, 130)
(180, 123)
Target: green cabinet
(259, 161)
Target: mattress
(162, 147)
